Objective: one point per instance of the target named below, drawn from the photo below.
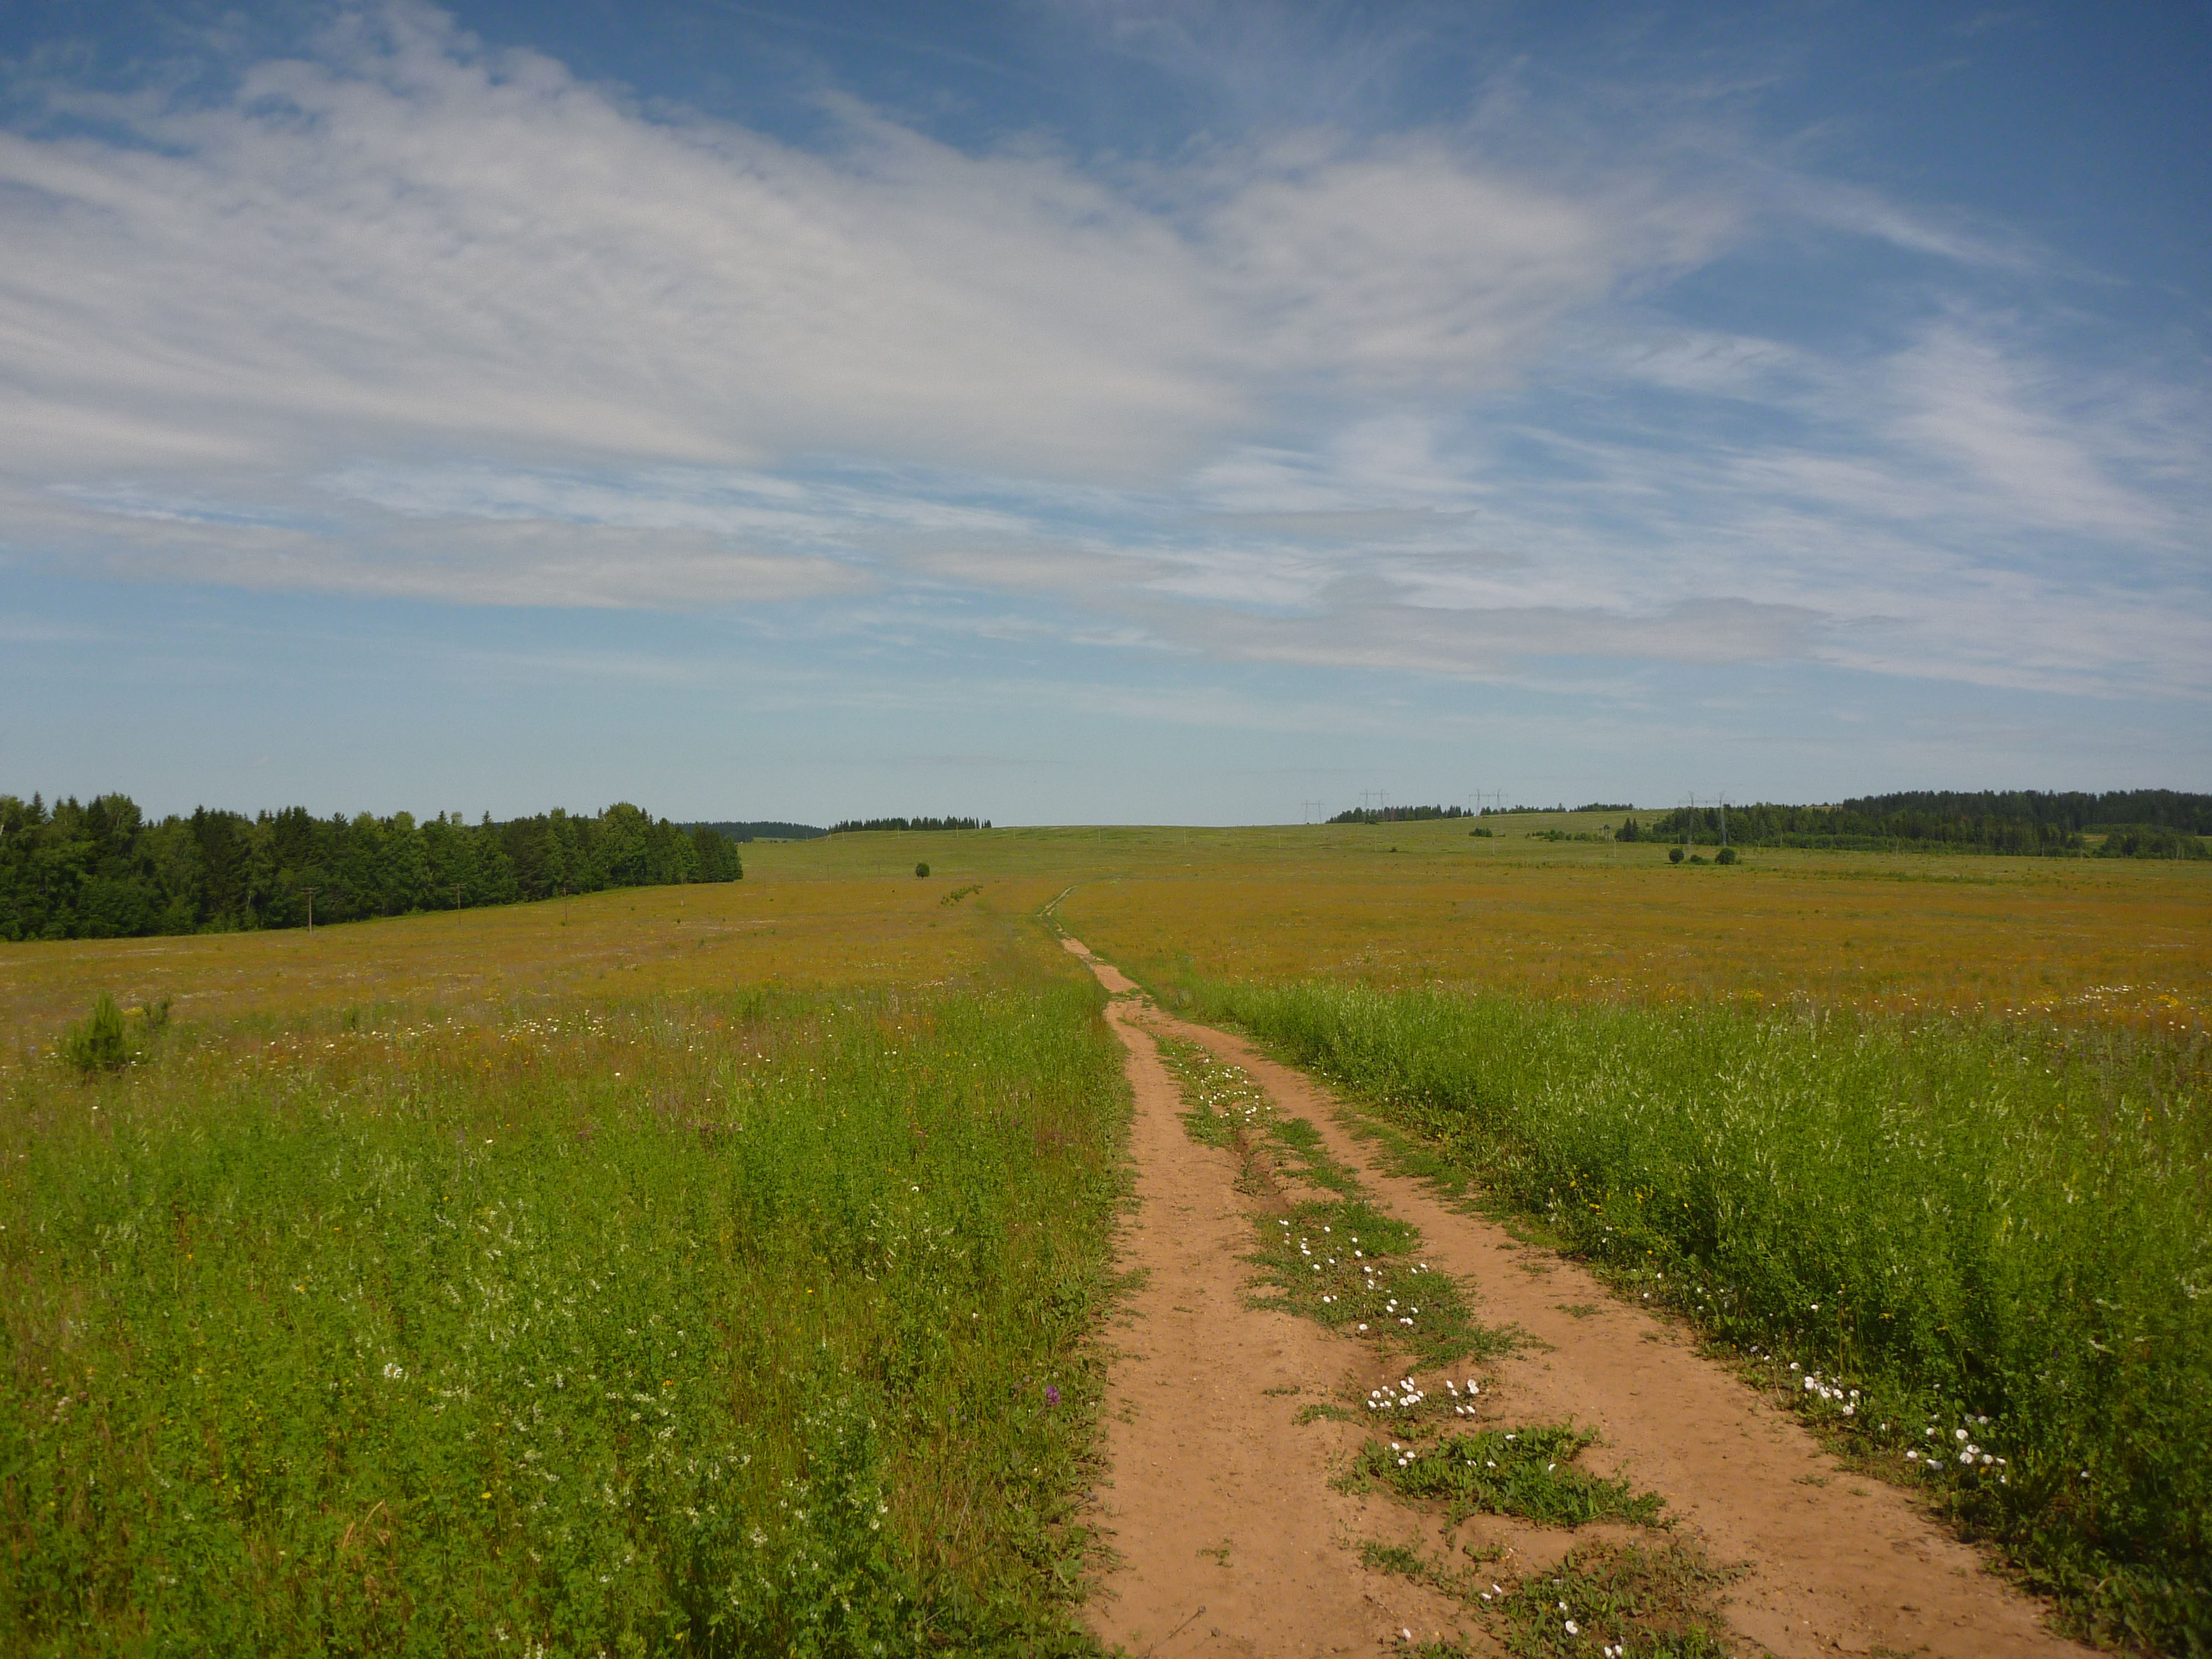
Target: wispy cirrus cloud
(404, 315)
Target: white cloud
(406, 316)
(480, 561)
(409, 244)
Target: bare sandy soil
(1231, 1541)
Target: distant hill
(764, 830)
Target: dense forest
(102, 870)
(849, 824)
(764, 830)
(2129, 823)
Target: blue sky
(1068, 411)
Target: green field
(721, 1269)
(745, 1324)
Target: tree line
(849, 824)
(2132, 823)
(765, 829)
(1398, 814)
(103, 870)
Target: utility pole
(1724, 820)
(310, 892)
(456, 896)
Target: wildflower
(1572, 1630)
(394, 1372)
(1051, 1395)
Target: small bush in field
(921, 869)
(1674, 855)
(99, 1042)
(1726, 855)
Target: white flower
(394, 1373)
(1570, 1627)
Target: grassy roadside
(715, 1324)
(1983, 1257)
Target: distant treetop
(764, 829)
(851, 824)
(1398, 814)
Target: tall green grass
(710, 1327)
(1965, 1241)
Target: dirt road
(1231, 1541)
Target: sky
(1072, 411)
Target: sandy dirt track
(1205, 1451)
(1230, 1538)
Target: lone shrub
(1674, 855)
(98, 1043)
(921, 869)
(1726, 855)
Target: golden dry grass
(2072, 938)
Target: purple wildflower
(1051, 1395)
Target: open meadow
(723, 1269)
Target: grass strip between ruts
(1338, 1260)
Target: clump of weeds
(1620, 1601)
(1529, 1472)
